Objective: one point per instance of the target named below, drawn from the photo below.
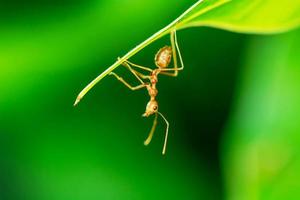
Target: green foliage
(50, 151)
(245, 16)
(258, 16)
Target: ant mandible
(162, 60)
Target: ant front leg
(175, 48)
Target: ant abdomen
(163, 57)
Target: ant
(162, 60)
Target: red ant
(162, 60)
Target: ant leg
(142, 75)
(175, 47)
(178, 50)
(127, 84)
(166, 136)
(137, 66)
(149, 138)
(137, 74)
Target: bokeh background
(234, 111)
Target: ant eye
(155, 108)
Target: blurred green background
(234, 111)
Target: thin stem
(135, 50)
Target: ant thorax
(163, 57)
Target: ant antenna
(166, 136)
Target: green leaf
(247, 16)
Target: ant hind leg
(175, 48)
(178, 50)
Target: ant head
(151, 108)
